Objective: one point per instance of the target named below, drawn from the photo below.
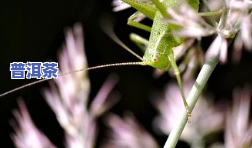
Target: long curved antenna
(86, 69)
(118, 64)
(106, 27)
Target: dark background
(33, 31)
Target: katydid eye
(154, 59)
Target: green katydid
(159, 53)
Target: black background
(33, 31)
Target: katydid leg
(213, 13)
(177, 74)
(132, 22)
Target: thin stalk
(212, 13)
(193, 97)
(208, 9)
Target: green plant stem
(193, 97)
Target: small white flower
(202, 119)
(127, 132)
(235, 20)
(238, 129)
(218, 47)
(69, 102)
(27, 135)
(119, 5)
(238, 23)
(192, 24)
(246, 31)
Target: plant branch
(193, 97)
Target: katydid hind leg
(161, 7)
(178, 77)
(134, 20)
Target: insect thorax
(161, 42)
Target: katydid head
(159, 61)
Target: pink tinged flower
(62, 113)
(214, 5)
(193, 57)
(73, 118)
(180, 50)
(127, 132)
(218, 47)
(26, 134)
(202, 118)
(243, 39)
(238, 23)
(80, 142)
(69, 97)
(73, 58)
(119, 5)
(100, 104)
(195, 61)
(192, 25)
(246, 32)
(237, 52)
(238, 129)
(69, 100)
